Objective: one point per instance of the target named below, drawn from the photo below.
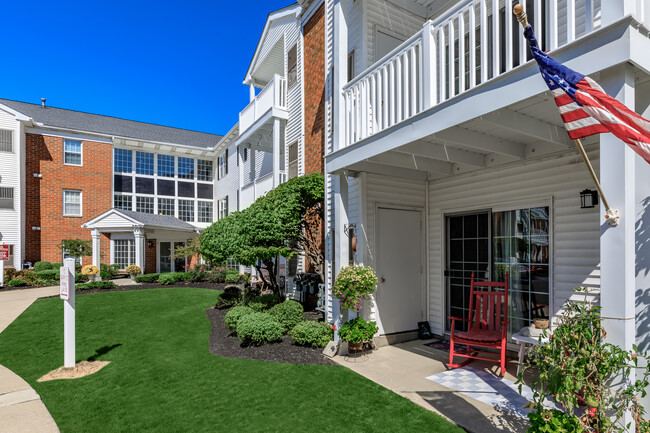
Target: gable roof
(141, 219)
(112, 126)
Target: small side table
(522, 340)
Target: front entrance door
(400, 292)
(165, 258)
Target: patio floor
(407, 368)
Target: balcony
(271, 101)
(453, 55)
(257, 188)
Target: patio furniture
(522, 340)
(487, 324)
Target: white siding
(575, 246)
(295, 99)
(114, 221)
(353, 11)
(329, 198)
(11, 177)
(275, 31)
(228, 185)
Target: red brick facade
(314, 64)
(150, 262)
(44, 198)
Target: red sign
(4, 252)
(64, 287)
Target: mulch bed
(222, 343)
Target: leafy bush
(80, 278)
(42, 266)
(108, 271)
(552, 420)
(258, 328)
(233, 316)
(96, 285)
(105, 275)
(251, 293)
(10, 273)
(264, 302)
(49, 274)
(289, 314)
(57, 265)
(358, 330)
(229, 298)
(168, 278)
(147, 278)
(310, 333)
(354, 283)
(17, 282)
(28, 275)
(232, 278)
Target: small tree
(191, 248)
(76, 247)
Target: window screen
(204, 190)
(123, 183)
(166, 187)
(292, 65)
(185, 189)
(143, 185)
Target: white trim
(311, 10)
(19, 116)
(80, 203)
(81, 152)
(72, 136)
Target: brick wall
(314, 64)
(150, 256)
(44, 200)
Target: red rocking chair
(487, 324)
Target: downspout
(426, 245)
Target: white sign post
(4, 255)
(67, 294)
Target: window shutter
(6, 140)
(6, 198)
(226, 161)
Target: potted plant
(91, 270)
(353, 284)
(133, 271)
(356, 331)
(576, 367)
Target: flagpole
(612, 216)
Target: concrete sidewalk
(21, 408)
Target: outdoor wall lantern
(588, 199)
(150, 244)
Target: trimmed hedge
(49, 274)
(42, 266)
(310, 333)
(167, 279)
(264, 302)
(230, 297)
(17, 282)
(289, 314)
(147, 278)
(258, 328)
(234, 314)
(96, 285)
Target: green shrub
(232, 290)
(105, 275)
(28, 275)
(96, 285)
(42, 266)
(80, 278)
(10, 274)
(147, 278)
(310, 333)
(258, 328)
(108, 271)
(229, 298)
(358, 330)
(234, 314)
(264, 302)
(17, 282)
(289, 314)
(49, 274)
(57, 265)
(232, 278)
(168, 278)
(251, 293)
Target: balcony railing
(274, 95)
(455, 54)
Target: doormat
(444, 346)
(485, 387)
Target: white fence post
(69, 355)
(428, 67)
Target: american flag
(585, 108)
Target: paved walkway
(403, 368)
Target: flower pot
(132, 277)
(541, 323)
(355, 347)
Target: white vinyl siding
(12, 170)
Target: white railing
(255, 189)
(274, 95)
(415, 76)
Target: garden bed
(223, 343)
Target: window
(124, 252)
(144, 185)
(6, 140)
(185, 189)
(245, 158)
(71, 202)
(232, 263)
(6, 198)
(67, 255)
(293, 160)
(185, 168)
(122, 202)
(223, 208)
(222, 161)
(144, 204)
(203, 190)
(122, 161)
(166, 206)
(166, 187)
(292, 65)
(166, 166)
(351, 65)
(72, 152)
(144, 163)
(186, 210)
(204, 170)
(123, 183)
(205, 211)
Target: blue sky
(173, 63)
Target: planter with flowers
(92, 271)
(356, 332)
(353, 284)
(133, 271)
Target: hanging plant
(353, 284)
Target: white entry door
(400, 291)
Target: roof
(113, 126)
(143, 219)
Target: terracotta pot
(355, 347)
(541, 323)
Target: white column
(251, 90)
(617, 244)
(97, 250)
(69, 355)
(139, 247)
(276, 152)
(341, 253)
(340, 73)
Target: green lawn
(163, 378)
